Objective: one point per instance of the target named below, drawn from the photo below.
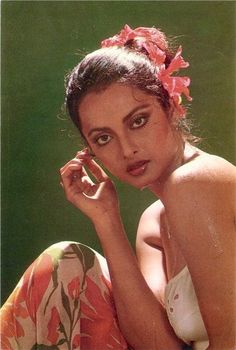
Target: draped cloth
(63, 302)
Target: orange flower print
(70, 320)
(10, 326)
(4, 343)
(76, 342)
(35, 282)
(20, 311)
(99, 327)
(53, 325)
(74, 288)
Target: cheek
(108, 161)
(108, 155)
(155, 138)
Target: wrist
(107, 220)
(109, 227)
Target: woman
(180, 287)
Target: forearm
(142, 319)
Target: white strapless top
(183, 311)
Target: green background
(41, 42)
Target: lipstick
(138, 168)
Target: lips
(137, 168)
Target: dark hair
(125, 65)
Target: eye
(103, 139)
(139, 122)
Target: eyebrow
(128, 116)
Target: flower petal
(53, 325)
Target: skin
(196, 191)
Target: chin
(140, 182)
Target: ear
(175, 117)
(173, 112)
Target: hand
(93, 199)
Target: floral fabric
(62, 302)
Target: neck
(185, 154)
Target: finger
(68, 174)
(96, 170)
(72, 161)
(84, 154)
(71, 169)
(85, 177)
(87, 187)
(79, 187)
(75, 174)
(74, 168)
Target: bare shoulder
(200, 207)
(200, 198)
(205, 166)
(206, 178)
(150, 222)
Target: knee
(72, 258)
(59, 261)
(59, 264)
(71, 253)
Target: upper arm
(149, 250)
(204, 227)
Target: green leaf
(62, 341)
(85, 254)
(89, 257)
(44, 347)
(55, 285)
(78, 253)
(76, 303)
(65, 302)
(56, 254)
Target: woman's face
(130, 134)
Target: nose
(128, 148)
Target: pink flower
(119, 39)
(141, 33)
(155, 53)
(155, 44)
(176, 85)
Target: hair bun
(153, 43)
(140, 34)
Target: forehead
(115, 101)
